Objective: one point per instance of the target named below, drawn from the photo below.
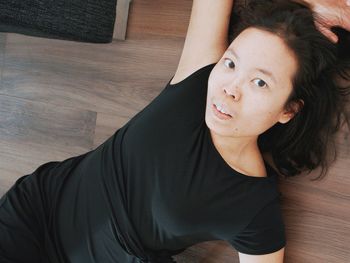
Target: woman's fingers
(335, 13)
(326, 31)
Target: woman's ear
(291, 110)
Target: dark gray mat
(76, 20)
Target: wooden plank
(119, 78)
(32, 133)
(22, 120)
(121, 21)
(209, 252)
(159, 18)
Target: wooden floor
(62, 98)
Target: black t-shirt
(156, 186)
(181, 189)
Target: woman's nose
(233, 92)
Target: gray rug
(77, 20)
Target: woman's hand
(330, 13)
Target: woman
(189, 167)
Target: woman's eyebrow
(264, 71)
(230, 50)
(267, 73)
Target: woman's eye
(229, 63)
(260, 83)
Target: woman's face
(251, 83)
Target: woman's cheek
(259, 110)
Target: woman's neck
(241, 153)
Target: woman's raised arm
(206, 38)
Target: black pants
(28, 224)
(21, 226)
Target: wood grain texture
(32, 133)
(61, 98)
(66, 73)
(159, 18)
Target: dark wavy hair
(307, 140)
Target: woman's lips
(219, 114)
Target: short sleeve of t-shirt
(264, 234)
